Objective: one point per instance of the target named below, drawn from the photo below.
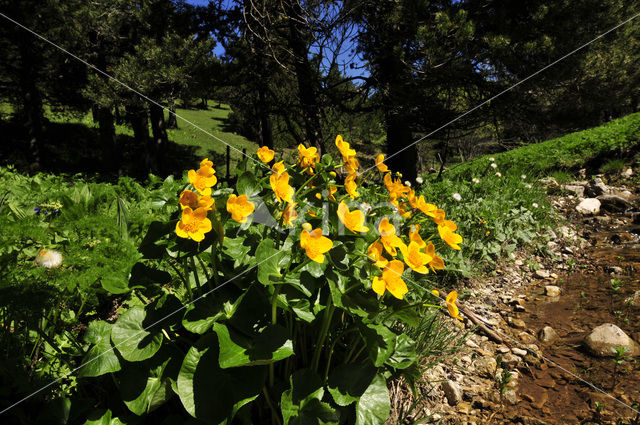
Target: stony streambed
(591, 279)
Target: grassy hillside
(588, 148)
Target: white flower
(366, 207)
(457, 197)
(524, 176)
(48, 258)
(494, 165)
(492, 159)
(475, 180)
(534, 205)
(498, 174)
(528, 186)
(419, 180)
(407, 183)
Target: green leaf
(213, 394)
(131, 340)
(102, 417)
(157, 230)
(238, 349)
(114, 284)
(374, 406)
(144, 386)
(405, 353)
(247, 185)
(143, 275)
(101, 358)
(267, 258)
(202, 314)
(348, 382)
(381, 342)
(301, 403)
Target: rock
(536, 395)
(614, 203)
(608, 336)
(635, 299)
(616, 269)
(503, 350)
(627, 173)
(452, 392)
(551, 185)
(589, 206)
(511, 359)
(547, 335)
(519, 352)
(603, 219)
(575, 189)
(551, 291)
(487, 365)
(596, 187)
(518, 323)
(510, 396)
(541, 273)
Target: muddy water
(587, 300)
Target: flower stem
(322, 335)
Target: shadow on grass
(75, 148)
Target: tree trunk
(31, 109)
(172, 122)
(265, 130)
(137, 117)
(399, 138)
(304, 74)
(111, 159)
(160, 138)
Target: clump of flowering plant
(286, 301)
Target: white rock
(608, 336)
(452, 392)
(519, 351)
(541, 273)
(547, 335)
(589, 206)
(510, 396)
(551, 291)
(635, 299)
(627, 173)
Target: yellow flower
(391, 280)
(332, 190)
(265, 154)
(395, 187)
(315, 244)
(435, 292)
(280, 186)
(414, 236)
(351, 186)
(415, 258)
(193, 224)
(436, 261)
(382, 167)
(447, 235)
(344, 148)
(375, 253)
(289, 214)
(351, 164)
(240, 207)
(388, 237)
(451, 305)
(203, 179)
(279, 167)
(308, 157)
(353, 220)
(194, 201)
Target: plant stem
(274, 413)
(274, 312)
(323, 335)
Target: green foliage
(612, 166)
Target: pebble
(452, 392)
(518, 323)
(552, 291)
(541, 273)
(547, 335)
(510, 396)
(519, 352)
(503, 350)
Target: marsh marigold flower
(451, 305)
(375, 253)
(240, 207)
(195, 201)
(193, 224)
(353, 220)
(436, 263)
(391, 280)
(265, 154)
(351, 164)
(308, 157)
(388, 237)
(380, 165)
(351, 186)
(280, 186)
(447, 234)
(414, 236)
(289, 214)
(203, 179)
(315, 244)
(344, 148)
(415, 258)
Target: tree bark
(31, 110)
(107, 133)
(172, 122)
(137, 117)
(399, 138)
